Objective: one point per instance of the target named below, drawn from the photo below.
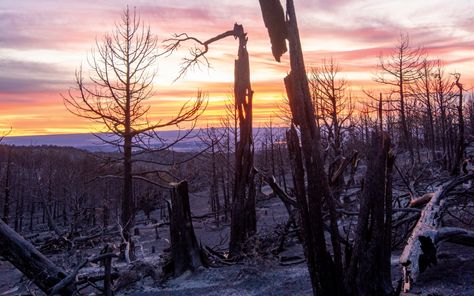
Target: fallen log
(34, 265)
(68, 280)
(455, 235)
(420, 251)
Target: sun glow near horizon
(42, 45)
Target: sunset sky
(43, 42)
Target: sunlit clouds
(43, 42)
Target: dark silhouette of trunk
(32, 213)
(369, 270)
(30, 261)
(312, 191)
(185, 251)
(306, 162)
(429, 109)
(460, 146)
(243, 219)
(6, 204)
(406, 134)
(216, 206)
(128, 209)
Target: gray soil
(454, 274)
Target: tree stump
(185, 251)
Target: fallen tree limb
(420, 251)
(288, 201)
(68, 280)
(95, 278)
(27, 259)
(455, 235)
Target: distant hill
(92, 143)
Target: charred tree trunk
(128, 208)
(369, 268)
(6, 204)
(215, 203)
(460, 145)
(185, 251)
(243, 220)
(30, 261)
(405, 131)
(306, 159)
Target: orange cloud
(44, 42)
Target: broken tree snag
(243, 223)
(30, 261)
(421, 201)
(311, 183)
(369, 269)
(243, 220)
(418, 253)
(274, 19)
(460, 146)
(185, 251)
(327, 279)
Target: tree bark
(460, 145)
(128, 207)
(307, 166)
(185, 251)
(243, 219)
(6, 204)
(420, 251)
(30, 261)
(369, 269)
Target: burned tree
(369, 269)
(334, 110)
(114, 95)
(6, 203)
(460, 145)
(243, 220)
(401, 69)
(307, 164)
(185, 251)
(315, 198)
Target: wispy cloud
(43, 42)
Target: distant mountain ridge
(91, 143)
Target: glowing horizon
(43, 43)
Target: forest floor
(255, 275)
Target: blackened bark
(6, 204)
(274, 19)
(460, 146)
(243, 220)
(30, 261)
(128, 208)
(185, 251)
(326, 274)
(369, 269)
